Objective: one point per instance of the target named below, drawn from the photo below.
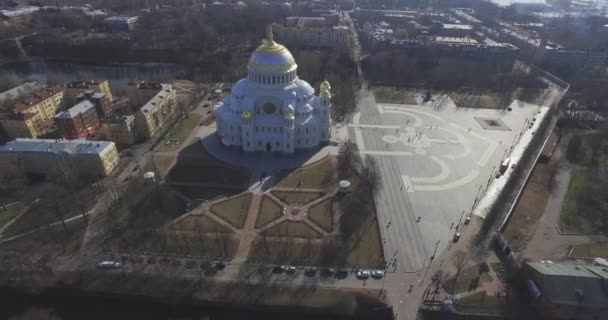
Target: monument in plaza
(272, 109)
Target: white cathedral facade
(271, 109)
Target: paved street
(436, 160)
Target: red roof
(35, 98)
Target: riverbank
(119, 295)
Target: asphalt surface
(436, 161)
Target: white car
(377, 274)
(363, 274)
(109, 264)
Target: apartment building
(312, 32)
(74, 91)
(33, 115)
(55, 157)
(79, 121)
(120, 129)
(157, 110)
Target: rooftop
(36, 97)
(55, 146)
(84, 84)
(120, 19)
(19, 90)
(151, 105)
(81, 107)
(457, 26)
(564, 283)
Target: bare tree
(459, 263)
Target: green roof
(562, 283)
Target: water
(61, 72)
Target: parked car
(220, 265)
(328, 272)
(341, 273)
(456, 237)
(363, 274)
(467, 220)
(289, 269)
(278, 269)
(377, 274)
(310, 272)
(109, 264)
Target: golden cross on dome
(269, 35)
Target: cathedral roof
(271, 57)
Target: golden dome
(289, 116)
(271, 56)
(325, 93)
(325, 86)
(246, 115)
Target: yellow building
(155, 112)
(33, 115)
(54, 157)
(73, 89)
(120, 129)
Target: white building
(50, 157)
(271, 109)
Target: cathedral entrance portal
(268, 147)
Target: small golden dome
(325, 86)
(325, 94)
(289, 116)
(246, 115)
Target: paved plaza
(436, 161)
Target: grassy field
(365, 246)
(195, 165)
(198, 222)
(50, 210)
(233, 211)
(292, 229)
(269, 211)
(180, 133)
(593, 250)
(319, 175)
(322, 215)
(394, 95)
(11, 211)
(481, 302)
(296, 197)
(49, 241)
(206, 193)
(588, 150)
(530, 208)
(571, 218)
(468, 279)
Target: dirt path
(248, 233)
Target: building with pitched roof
(32, 116)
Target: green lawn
(588, 150)
(181, 132)
(296, 197)
(176, 242)
(233, 211)
(206, 193)
(481, 302)
(529, 208)
(365, 246)
(593, 250)
(195, 165)
(293, 230)
(269, 211)
(318, 175)
(194, 223)
(11, 211)
(394, 95)
(468, 279)
(322, 215)
(571, 216)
